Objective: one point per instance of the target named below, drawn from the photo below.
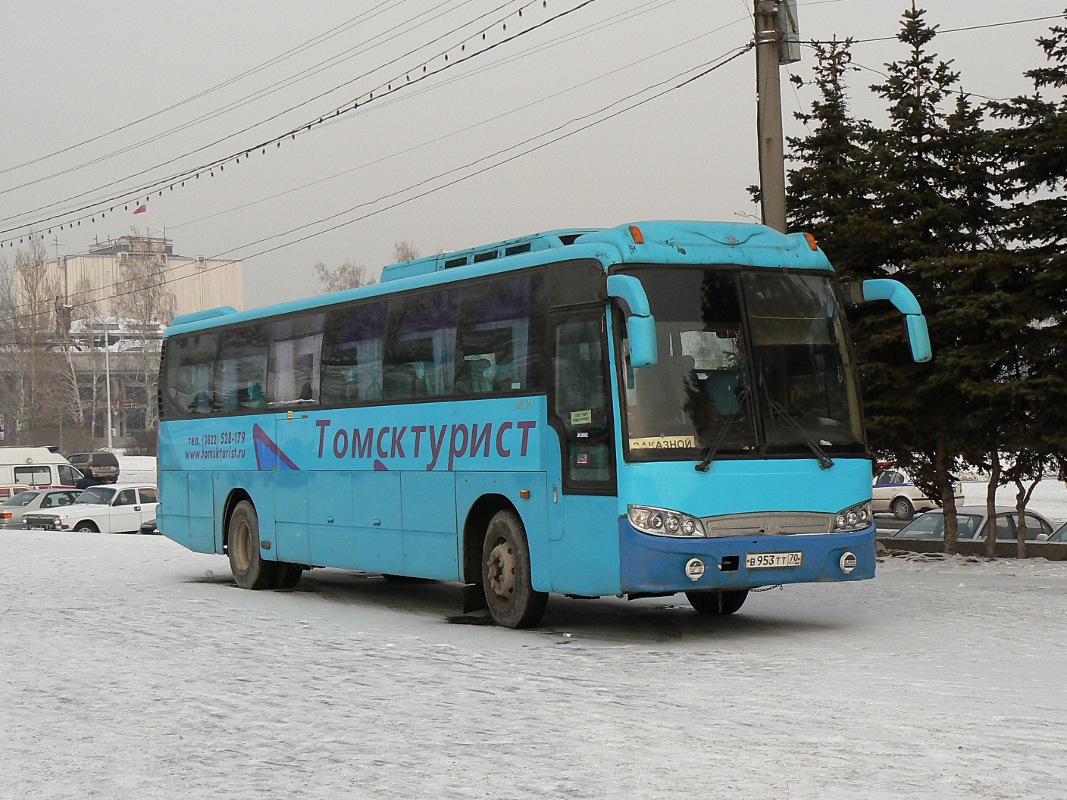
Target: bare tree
(350, 276)
(143, 275)
(35, 389)
(64, 318)
(404, 251)
(145, 307)
(346, 276)
(89, 321)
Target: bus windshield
(780, 382)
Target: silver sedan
(12, 509)
(971, 524)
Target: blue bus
(644, 410)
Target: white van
(24, 468)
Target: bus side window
(294, 360)
(351, 367)
(188, 374)
(496, 339)
(241, 369)
(420, 345)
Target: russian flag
(141, 209)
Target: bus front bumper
(655, 564)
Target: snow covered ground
(132, 668)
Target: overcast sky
(80, 79)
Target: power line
(402, 81)
(594, 118)
(131, 194)
(949, 30)
(468, 128)
(424, 18)
(247, 129)
(229, 81)
(705, 70)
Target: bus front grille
(768, 523)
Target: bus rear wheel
(248, 567)
(509, 591)
(287, 575)
(717, 603)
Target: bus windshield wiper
(713, 448)
(825, 462)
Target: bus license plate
(772, 560)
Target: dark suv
(103, 466)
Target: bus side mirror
(919, 336)
(640, 324)
(901, 296)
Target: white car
(114, 508)
(895, 491)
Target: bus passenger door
(585, 552)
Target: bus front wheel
(248, 567)
(717, 603)
(509, 591)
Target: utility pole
(107, 379)
(776, 44)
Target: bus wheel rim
(502, 571)
(242, 544)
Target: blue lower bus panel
(665, 564)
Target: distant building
(112, 305)
(193, 283)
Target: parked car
(31, 501)
(971, 523)
(106, 509)
(102, 465)
(895, 491)
(150, 526)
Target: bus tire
(509, 592)
(287, 575)
(902, 508)
(242, 545)
(717, 604)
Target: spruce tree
(913, 201)
(1034, 191)
(827, 194)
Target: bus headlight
(664, 522)
(855, 518)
